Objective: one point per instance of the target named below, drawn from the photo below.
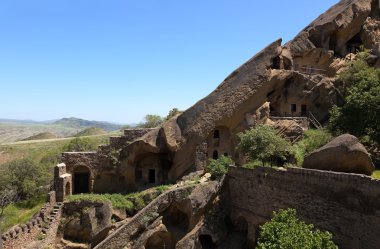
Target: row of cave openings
(177, 226)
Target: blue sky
(118, 60)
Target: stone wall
(137, 225)
(36, 230)
(347, 205)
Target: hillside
(90, 132)
(17, 130)
(40, 136)
(82, 123)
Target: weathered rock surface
(86, 221)
(344, 154)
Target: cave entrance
(206, 241)
(152, 176)
(160, 239)
(176, 222)
(81, 180)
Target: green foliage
(376, 174)
(286, 231)
(118, 201)
(312, 140)
(263, 143)
(21, 212)
(172, 113)
(26, 176)
(360, 115)
(219, 167)
(81, 144)
(151, 121)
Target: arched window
(215, 155)
(216, 134)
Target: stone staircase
(52, 216)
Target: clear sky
(117, 60)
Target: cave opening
(206, 241)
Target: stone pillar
(201, 156)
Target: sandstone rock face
(86, 221)
(344, 154)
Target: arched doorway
(81, 180)
(67, 189)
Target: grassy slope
(15, 132)
(37, 149)
(91, 131)
(41, 136)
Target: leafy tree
(81, 144)
(219, 167)
(263, 143)
(151, 121)
(360, 114)
(26, 176)
(172, 113)
(7, 196)
(312, 140)
(285, 231)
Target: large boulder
(344, 154)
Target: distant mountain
(82, 123)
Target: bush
(285, 230)
(360, 113)
(263, 143)
(26, 176)
(219, 167)
(312, 140)
(81, 144)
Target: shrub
(312, 140)
(360, 113)
(263, 143)
(219, 167)
(81, 144)
(285, 230)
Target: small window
(216, 134)
(293, 107)
(138, 174)
(215, 155)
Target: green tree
(80, 144)
(172, 113)
(263, 143)
(219, 167)
(312, 140)
(360, 114)
(27, 177)
(286, 231)
(151, 121)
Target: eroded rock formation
(344, 154)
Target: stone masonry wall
(34, 231)
(347, 205)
